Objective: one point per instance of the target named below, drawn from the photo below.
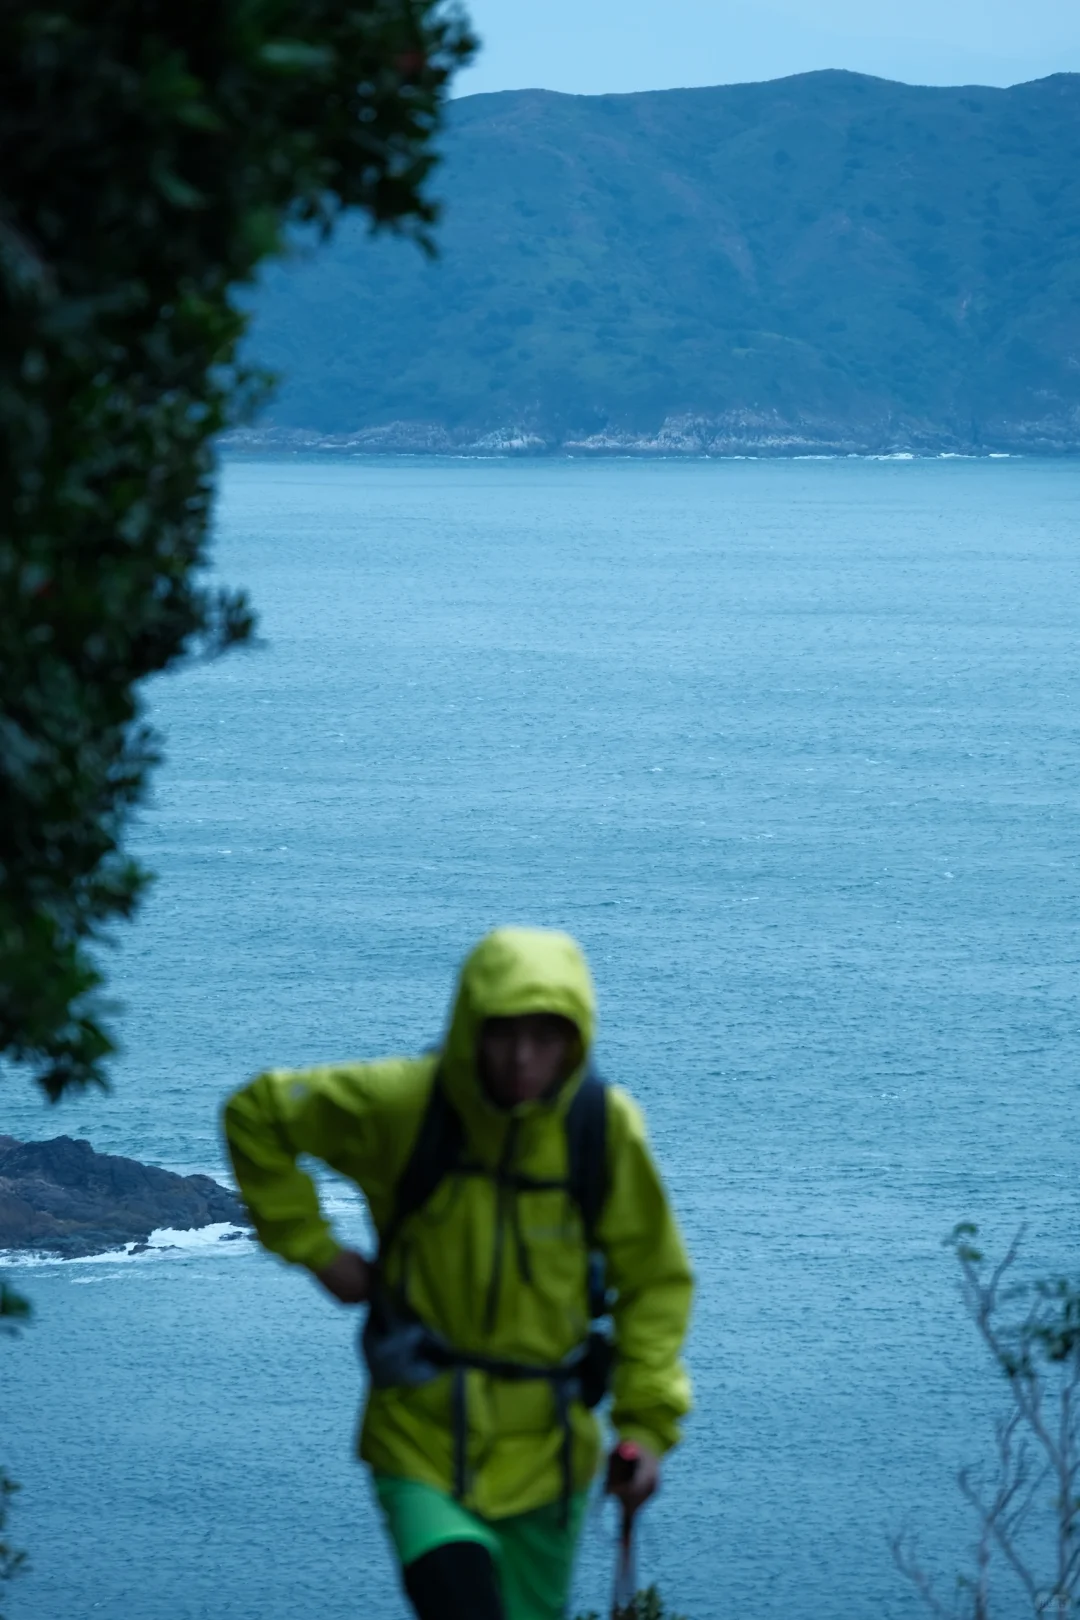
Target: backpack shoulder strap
(586, 1141)
(436, 1152)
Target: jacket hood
(514, 971)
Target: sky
(589, 47)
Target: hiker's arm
(648, 1266)
(348, 1277)
(326, 1113)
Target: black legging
(456, 1581)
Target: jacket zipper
(504, 1194)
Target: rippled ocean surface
(792, 748)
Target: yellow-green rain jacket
(362, 1119)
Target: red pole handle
(622, 1465)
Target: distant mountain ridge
(825, 263)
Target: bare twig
(903, 1551)
(1037, 1442)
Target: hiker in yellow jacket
(478, 1338)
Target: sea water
(792, 748)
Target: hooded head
(512, 972)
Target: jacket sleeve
(649, 1268)
(324, 1112)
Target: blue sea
(792, 748)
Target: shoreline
(236, 446)
(734, 436)
(230, 451)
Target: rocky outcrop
(60, 1197)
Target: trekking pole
(621, 1470)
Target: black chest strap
(439, 1151)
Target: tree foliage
(153, 155)
(12, 1559)
(14, 1313)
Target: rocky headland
(61, 1197)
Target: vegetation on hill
(828, 259)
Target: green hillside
(828, 261)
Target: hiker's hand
(347, 1277)
(643, 1482)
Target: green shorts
(532, 1552)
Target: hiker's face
(522, 1059)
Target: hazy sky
(590, 46)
